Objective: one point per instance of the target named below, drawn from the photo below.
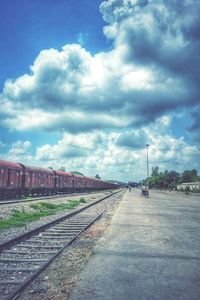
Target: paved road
(150, 251)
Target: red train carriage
(37, 180)
(89, 183)
(105, 185)
(64, 182)
(79, 182)
(101, 185)
(11, 177)
(17, 180)
(95, 183)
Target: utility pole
(147, 146)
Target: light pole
(147, 146)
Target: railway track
(23, 258)
(12, 201)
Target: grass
(82, 200)
(20, 218)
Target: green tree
(189, 175)
(62, 169)
(97, 176)
(155, 171)
(77, 173)
(172, 176)
(170, 179)
(196, 178)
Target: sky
(86, 85)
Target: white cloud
(103, 154)
(19, 152)
(135, 80)
(71, 146)
(128, 92)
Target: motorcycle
(145, 193)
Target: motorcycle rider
(144, 191)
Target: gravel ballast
(56, 282)
(5, 212)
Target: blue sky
(86, 84)
(27, 27)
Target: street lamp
(147, 146)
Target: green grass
(20, 218)
(82, 200)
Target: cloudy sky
(87, 84)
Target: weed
(82, 200)
(20, 218)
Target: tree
(50, 168)
(172, 176)
(188, 175)
(97, 176)
(196, 178)
(155, 171)
(62, 169)
(77, 173)
(170, 179)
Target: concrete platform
(150, 251)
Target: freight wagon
(18, 180)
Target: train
(18, 180)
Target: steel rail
(27, 234)
(12, 201)
(72, 229)
(16, 293)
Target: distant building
(120, 183)
(192, 186)
(133, 184)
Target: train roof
(63, 173)
(79, 176)
(88, 177)
(38, 169)
(9, 164)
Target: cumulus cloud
(194, 128)
(160, 32)
(113, 155)
(152, 69)
(134, 140)
(121, 155)
(71, 146)
(19, 151)
(110, 104)
(163, 35)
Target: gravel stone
(56, 282)
(5, 212)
